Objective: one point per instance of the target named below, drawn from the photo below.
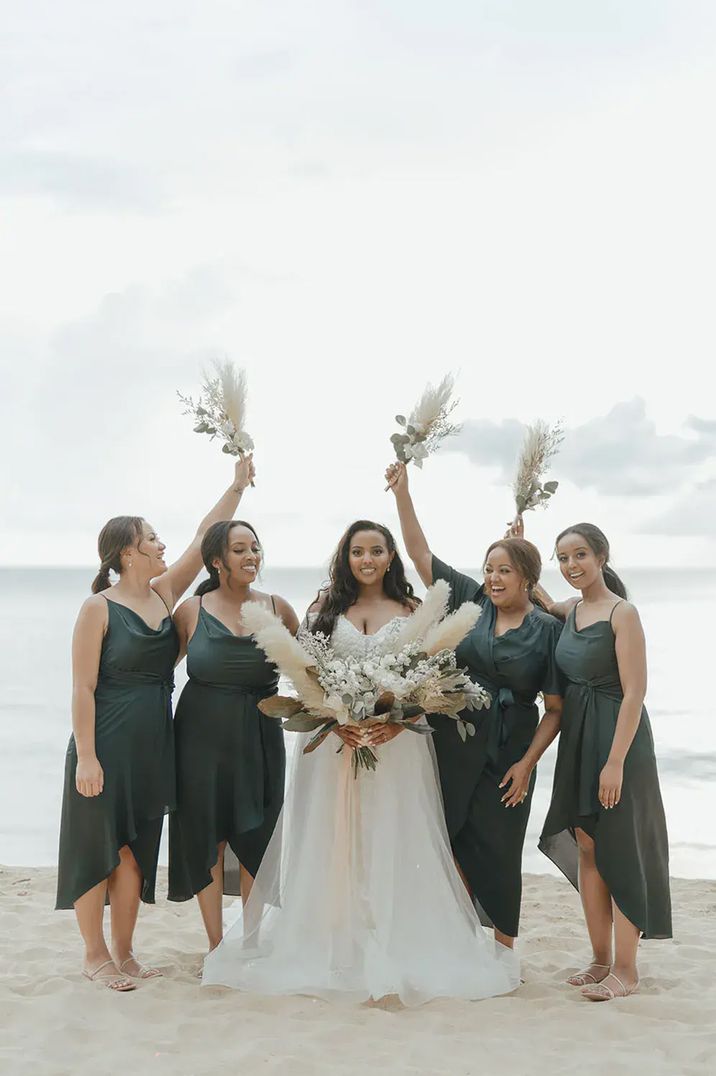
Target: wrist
(236, 488)
(616, 760)
(86, 756)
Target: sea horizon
(37, 612)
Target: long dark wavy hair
(597, 542)
(342, 590)
(214, 546)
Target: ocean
(38, 608)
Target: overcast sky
(351, 199)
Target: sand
(54, 1022)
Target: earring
(218, 571)
(129, 562)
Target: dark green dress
(231, 760)
(631, 844)
(134, 745)
(487, 837)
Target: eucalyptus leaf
(551, 487)
(280, 706)
(462, 731)
(303, 723)
(318, 739)
(400, 419)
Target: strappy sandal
(602, 992)
(585, 977)
(144, 972)
(121, 984)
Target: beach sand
(53, 1021)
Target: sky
(350, 200)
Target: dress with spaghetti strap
(514, 667)
(631, 844)
(134, 746)
(230, 760)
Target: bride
(358, 896)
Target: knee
(585, 845)
(127, 860)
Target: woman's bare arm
(416, 543)
(181, 574)
(86, 651)
(630, 647)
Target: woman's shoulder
(624, 613)
(188, 608)
(548, 626)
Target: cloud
(692, 514)
(620, 453)
(79, 182)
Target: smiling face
(578, 562)
(369, 557)
(242, 556)
(504, 584)
(149, 545)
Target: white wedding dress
(358, 896)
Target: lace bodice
(348, 641)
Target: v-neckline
(372, 634)
(578, 631)
(225, 626)
(155, 631)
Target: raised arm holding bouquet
(119, 771)
(510, 651)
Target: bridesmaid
(605, 827)
(119, 771)
(510, 651)
(230, 757)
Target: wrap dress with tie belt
(487, 837)
(631, 843)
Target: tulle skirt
(357, 896)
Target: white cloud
(619, 454)
(693, 513)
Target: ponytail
(614, 582)
(212, 583)
(101, 580)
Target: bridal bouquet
(427, 425)
(413, 672)
(221, 408)
(541, 443)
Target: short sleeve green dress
(135, 747)
(487, 837)
(631, 843)
(231, 760)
